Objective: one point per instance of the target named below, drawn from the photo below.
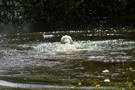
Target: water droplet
(107, 80)
(105, 71)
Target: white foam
(69, 48)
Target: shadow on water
(29, 60)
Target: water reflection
(29, 59)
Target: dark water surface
(27, 60)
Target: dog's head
(66, 39)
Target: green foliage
(42, 11)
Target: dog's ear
(62, 42)
(71, 41)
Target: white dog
(66, 39)
(67, 46)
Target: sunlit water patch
(33, 60)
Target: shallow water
(107, 58)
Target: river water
(106, 60)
